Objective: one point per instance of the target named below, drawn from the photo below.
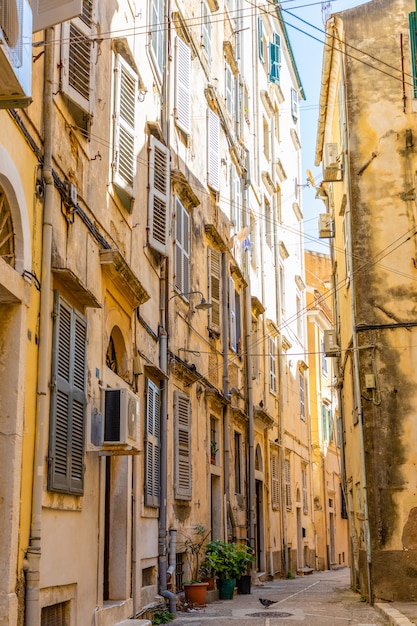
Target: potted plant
(194, 588)
(213, 451)
(229, 561)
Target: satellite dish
(310, 178)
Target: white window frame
(213, 150)
(206, 29)
(235, 198)
(157, 35)
(272, 360)
(183, 86)
(287, 479)
(229, 90)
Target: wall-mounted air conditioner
(332, 163)
(325, 226)
(121, 418)
(15, 54)
(330, 343)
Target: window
(272, 356)
(343, 506)
(206, 29)
(413, 42)
(261, 43)
(214, 273)
(152, 444)
(182, 248)
(238, 462)
(294, 104)
(7, 234)
(268, 222)
(229, 90)
(56, 614)
(324, 422)
(158, 198)
(300, 318)
(182, 446)
(124, 156)
(323, 358)
(287, 477)
(331, 423)
(77, 58)
(235, 198)
(302, 395)
(282, 288)
(275, 59)
(213, 150)
(68, 399)
(266, 139)
(304, 487)
(157, 34)
(182, 86)
(214, 448)
(234, 317)
(275, 473)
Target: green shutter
(274, 59)
(413, 43)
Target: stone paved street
(319, 599)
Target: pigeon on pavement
(266, 603)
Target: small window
(261, 43)
(182, 248)
(323, 358)
(229, 90)
(268, 223)
(152, 444)
(294, 104)
(56, 614)
(302, 395)
(235, 198)
(234, 317)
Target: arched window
(7, 237)
(116, 357)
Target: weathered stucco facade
(366, 142)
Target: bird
(267, 603)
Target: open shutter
(124, 157)
(214, 271)
(182, 248)
(182, 86)
(232, 314)
(294, 104)
(275, 481)
(213, 156)
(274, 58)
(152, 444)
(49, 12)
(182, 416)
(158, 199)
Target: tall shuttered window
(183, 86)
(275, 59)
(157, 30)
(305, 489)
(182, 446)
(213, 150)
(287, 479)
(68, 399)
(272, 357)
(214, 273)
(275, 474)
(182, 248)
(206, 29)
(152, 444)
(158, 196)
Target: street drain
(274, 614)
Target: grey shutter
(232, 315)
(182, 248)
(182, 447)
(214, 270)
(68, 401)
(182, 86)
(158, 200)
(124, 157)
(213, 150)
(275, 481)
(288, 497)
(152, 444)
(49, 12)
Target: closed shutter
(182, 86)
(182, 446)
(152, 444)
(232, 315)
(68, 401)
(213, 150)
(413, 43)
(77, 58)
(305, 492)
(275, 481)
(275, 59)
(214, 271)
(288, 497)
(158, 199)
(124, 157)
(182, 248)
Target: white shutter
(232, 315)
(229, 91)
(182, 86)
(182, 417)
(49, 12)
(182, 248)
(214, 271)
(124, 114)
(294, 104)
(158, 199)
(236, 198)
(213, 152)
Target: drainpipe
(225, 385)
(33, 555)
(249, 395)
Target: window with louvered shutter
(272, 365)
(182, 446)
(124, 156)
(275, 59)
(182, 248)
(232, 315)
(158, 198)
(229, 90)
(288, 496)
(235, 198)
(152, 444)
(206, 29)
(305, 492)
(294, 104)
(213, 150)
(214, 273)
(68, 400)
(261, 45)
(77, 58)
(182, 86)
(275, 473)
(157, 31)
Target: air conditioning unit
(330, 343)
(332, 163)
(15, 54)
(325, 226)
(121, 418)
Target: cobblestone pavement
(319, 599)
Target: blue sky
(305, 25)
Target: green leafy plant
(162, 616)
(290, 575)
(195, 546)
(227, 560)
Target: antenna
(310, 178)
(325, 11)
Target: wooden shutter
(68, 401)
(274, 58)
(275, 481)
(232, 315)
(305, 492)
(182, 248)
(77, 58)
(152, 444)
(214, 273)
(213, 152)
(288, 497)
(49, 12)
(182, 446)
(158, 199)
(182, 86)
(124, 157)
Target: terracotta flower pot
(196, 593)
